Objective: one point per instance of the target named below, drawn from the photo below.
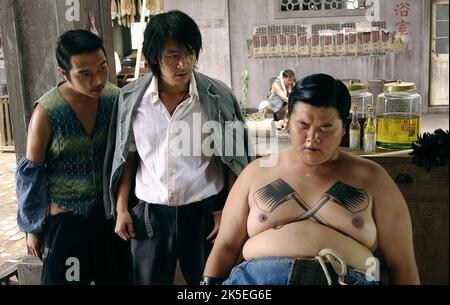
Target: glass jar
(398, 112)
(363, 98)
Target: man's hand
(217, 218)
(34, 242)
(124, 226)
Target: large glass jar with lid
(363, 99)
(398, 112)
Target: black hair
(174, 25)
(321, 90)
(288, 73)
(75, 42)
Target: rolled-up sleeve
(32, 196)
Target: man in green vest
(59, 182)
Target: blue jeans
(289, 271)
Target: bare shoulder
(369, 173)
(360, 161)
(39, 134)
(255, 167)
(39, 120)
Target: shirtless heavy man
(319, 214)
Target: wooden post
(29, 33)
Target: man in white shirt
(161, 158)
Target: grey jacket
(219, 104)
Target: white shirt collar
(152, 93)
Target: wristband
(208, 280)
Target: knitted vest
(74, 159)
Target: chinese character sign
(402, 27)
(402, 10)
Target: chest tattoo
(271, 196)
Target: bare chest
(87, 115)
(338, 205)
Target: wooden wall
(427, 199)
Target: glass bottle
(398, 115)
(369, 132)
(354, 130)
(361, 97)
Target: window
(441, 28)
(320, 8)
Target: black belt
(310, 272)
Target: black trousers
(84, 250)
(165, 234)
